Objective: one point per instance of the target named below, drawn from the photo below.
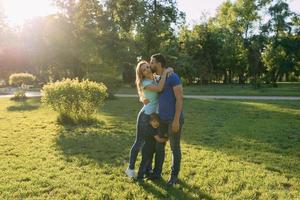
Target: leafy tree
(278, 55)
(22, 80)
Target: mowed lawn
(231, 150)
(283, 89)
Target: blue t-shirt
(167, 100)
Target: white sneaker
(131, 173)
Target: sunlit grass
(284, 89)
(231, 150)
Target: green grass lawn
(231, 150)
(284, 89)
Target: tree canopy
(102, 40)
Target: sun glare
(18, 11)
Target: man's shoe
(131, 173)
(139, 178)
(172, 181)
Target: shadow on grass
(106, 139)
(67, 121)
(106, 146)
(180, 191)
(99, 142)
(27, 105)
(261, 132)
(23, 107)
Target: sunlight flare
(17, 12)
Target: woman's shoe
(130, 173)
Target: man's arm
(178, 91)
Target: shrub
(74, 100)
(20, 79)
(19, 95)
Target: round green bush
(73, 99)
(20, 79)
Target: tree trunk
(241, 79)
(230, 77)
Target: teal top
(152, 96)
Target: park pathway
(38, 94)
(225, 97)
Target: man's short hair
(154, 116)
(160, 58)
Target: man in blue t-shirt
(170, 113)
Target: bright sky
(17, 11)
(194, 8)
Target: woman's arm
(160, 86)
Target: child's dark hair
(154, 116)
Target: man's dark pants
(174, 138)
